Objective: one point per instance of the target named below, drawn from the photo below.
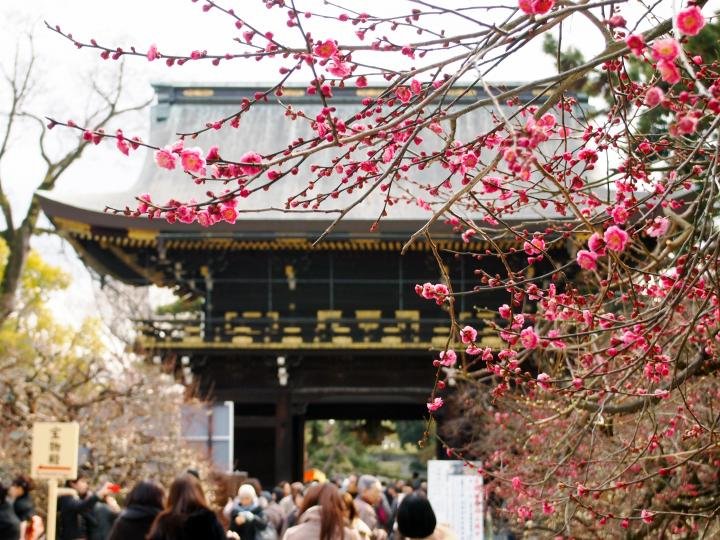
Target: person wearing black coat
(73, 511)
(20, 492)
(186, 515)
(9, 522)
(101, 519)
(144, 503)
(247, 519)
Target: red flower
(325, 49)
(636, 43)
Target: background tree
(597, 393)
(20, 113)
(128, 410)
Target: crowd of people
(353, 508)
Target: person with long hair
(322, 516)
(186, 515)
(143, 504)
(353, 519)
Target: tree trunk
(18, 243)
(18, 248)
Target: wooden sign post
(55, 448)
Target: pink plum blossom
(403, 93)
(325, 49)
(448, 358)
(667, 49)
(529, 338)
(654, 96)
(617, 21)
(543, 380)
(619, 214)
(535, 7)
(468, 335)
(144, 200)
(152, 53)
(123, 146)
(587, 260)
(616, 238)
(213, 154)
(192, 159)
(636, 44)
(204, 219)
(658, 227)
(246, 159)
(669, 72)
(690, 21)
(339, 68)
(646, 516)
(228, 213)
(435, 404)
(505, 311)
(524, 513)
(516, 483)
(534, 246)
(686, 125)
(165, 158)
(596, 243)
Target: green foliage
(181, 305)
(387, 449)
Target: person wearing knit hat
(247, 518)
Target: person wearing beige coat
(310, 525)
(322, 516)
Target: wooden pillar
(299, 445)
(284, 447)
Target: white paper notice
(456, 495)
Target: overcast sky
(64, 73)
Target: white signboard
(55, 450)
(456, 495)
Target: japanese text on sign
(55, 450)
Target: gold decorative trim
(369, 92)
(293, 92)
(138, 238)
(142, 235)
(223, 345)
(198, 92)
(71, 226)
(461, 92)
